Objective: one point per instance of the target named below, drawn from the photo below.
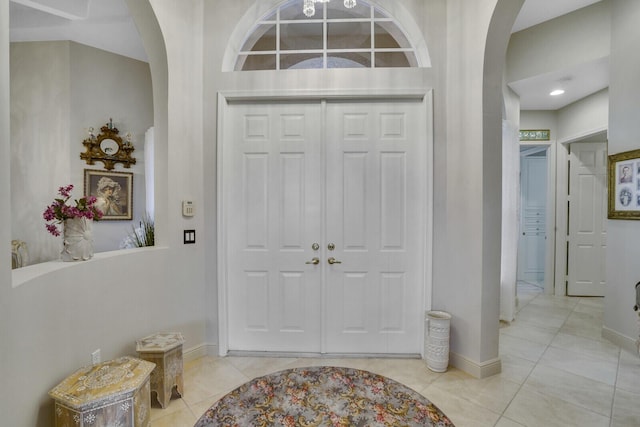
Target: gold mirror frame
(97, 151)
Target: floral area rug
(323, 396)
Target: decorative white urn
(77, 239)
(437, 327)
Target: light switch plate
(189, 236)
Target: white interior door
(375, 205)
(272, 204)
(533, 196)
(356, 187)
(587, 219)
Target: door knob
(314, 261)
(332, 260)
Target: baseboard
(205, 349)
(475, 369)
(299, 355)
(622, 341)
(478, 370)
(198, 351)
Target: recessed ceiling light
(557, 92)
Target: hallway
(556, 371)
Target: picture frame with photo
(113, 191)
(624, 185)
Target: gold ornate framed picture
(108, 147)
(113, 191)
(624, 185)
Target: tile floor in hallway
(557, 370)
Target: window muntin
(335, 37)
(262, 39)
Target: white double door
(307, 183)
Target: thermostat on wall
(188, 208)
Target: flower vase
(77, 239)
(437, 329)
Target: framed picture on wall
(624, 185)
(535, 135)
(114, 192)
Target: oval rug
(323, 396)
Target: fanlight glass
(324, 34)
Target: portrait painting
(623, 179)
(625, 173)
(113, 192)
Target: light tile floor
(557, 370)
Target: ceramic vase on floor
(77, 239)
(438, 325)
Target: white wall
(5, 209)
(614, 109)
(466, 268)
(56, 318)
(58, 91)
(561, 43)
(40, 140)
(586, 117)
(537, 119)
(623, 268)
(510, 205)
(104, 86)
(54, 314)
(220, 22)
(578, 120)
(464, 273)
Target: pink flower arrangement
(59, 211)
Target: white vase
(438, 324)
(77, 239)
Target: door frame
(562, 216)
(551, 263)
(224, 98)
(548, 246)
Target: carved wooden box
(112, 393)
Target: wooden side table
(112, 393)
(165, 350)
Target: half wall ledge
(21, 276)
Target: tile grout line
(615, 389)
(573, 310)
(530, 372)
(615, 382)
(539, 300)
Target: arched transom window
(334, 37)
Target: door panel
(374, 204)
(272, 206)
(587, 219)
